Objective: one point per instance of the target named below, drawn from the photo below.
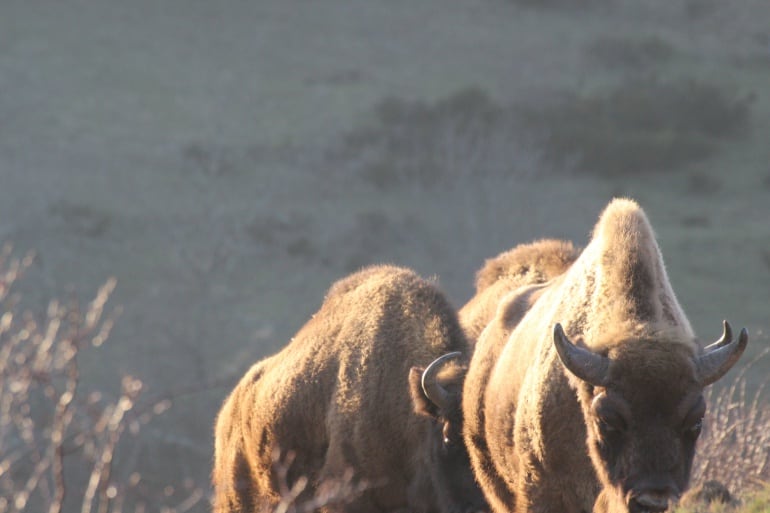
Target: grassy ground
(751, 502)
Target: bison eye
(605, 428)
(695, 429)
(610, 412)
(693, 421)
(610, 425)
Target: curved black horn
(584, 364)
(720, 356)
(430, 385)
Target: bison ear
(422, 405)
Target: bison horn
(720, 356)
(438, 395)
(586, 365)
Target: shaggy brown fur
(338, 397)
(540, 438)
(525, 264)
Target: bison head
(436, 395)
(643, 407)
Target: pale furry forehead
(622, 215)
(622, 334)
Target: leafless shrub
(332, 492)
(734, 448)
(59, 442)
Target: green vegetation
(561, 4)
(424, 143)
(81, 219)
(640, 126)
(752, 502)
(630, 53)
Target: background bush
(60, 444)
(642, 125)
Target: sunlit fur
(526, 264)
(338, 396)
(534, 431)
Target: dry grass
(734, 448)
(752, 502)
(58, 441)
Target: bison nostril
(652, 502)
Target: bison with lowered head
(584, 393)
(350, 396)
(526, 264)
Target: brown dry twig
(734, 448)
(49, 424)
(337, 491)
